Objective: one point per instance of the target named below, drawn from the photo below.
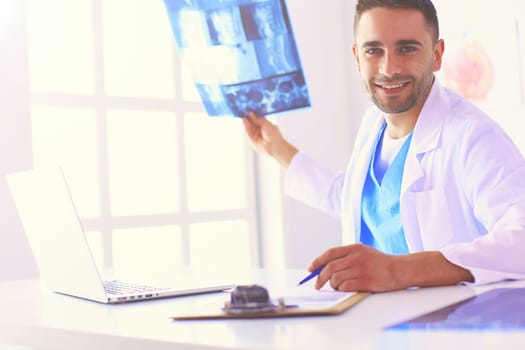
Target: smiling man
(434, 192)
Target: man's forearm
(427, 269)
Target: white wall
(16, 260)
(326, 130)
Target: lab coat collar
(429, 124)
(426, 135)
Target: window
(157, 184)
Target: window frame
(101, 103)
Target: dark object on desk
(502, 309)
(245, 295)
(252, 299)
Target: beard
(397, 106)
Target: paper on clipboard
(302, 302)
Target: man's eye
(408, 49)
(373, 51)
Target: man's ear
(356, 56)
(439, 49)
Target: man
(434, 193)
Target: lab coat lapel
(426, 138)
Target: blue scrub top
(380, 222)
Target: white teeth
(392, 86)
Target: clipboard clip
(253, 299)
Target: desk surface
(33, 316)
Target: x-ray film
(241, 55)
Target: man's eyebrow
(374, 43)
(409, 42)
(404, 42)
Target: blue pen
(311, 275)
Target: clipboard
(307, 309)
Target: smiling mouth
(392, 86)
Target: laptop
(62, 253)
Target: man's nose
(389, 65)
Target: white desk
(32, 316)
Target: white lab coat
(463, 189)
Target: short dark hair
(426, 7)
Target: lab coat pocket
(431, 212)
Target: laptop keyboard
(119, 287)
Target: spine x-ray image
(241, 55)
